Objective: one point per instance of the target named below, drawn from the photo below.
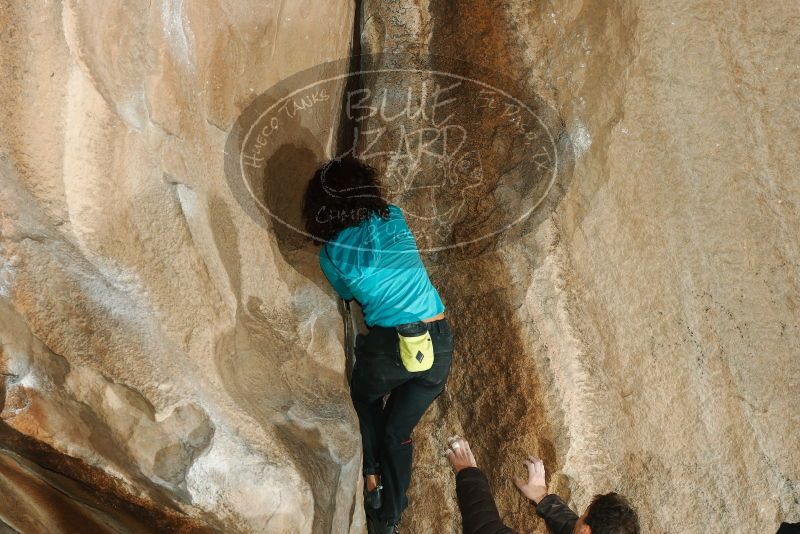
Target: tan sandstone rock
(650, 322)
(147, 326)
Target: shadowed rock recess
(171, 356)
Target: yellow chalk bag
(416, 352)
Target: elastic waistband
(436, 326)
(439, 325)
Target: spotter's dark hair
(342, 193)
(612, 514)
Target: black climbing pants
(386, 427)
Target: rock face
(650, 323)
(147, 325)
(163, 346)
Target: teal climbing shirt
(378, 264)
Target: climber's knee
(395, 441)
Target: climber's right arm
(334, 277)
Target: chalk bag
(416, 347)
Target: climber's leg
(375, 373)
(404, 409)
(371, 423)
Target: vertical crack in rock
(346, 133)
(493, 396)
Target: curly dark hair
(612, 514)
(342, 193)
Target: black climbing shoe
(372, 499)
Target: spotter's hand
(534, 488)
(459, 454)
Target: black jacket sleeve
(556, 514)
(478, 512)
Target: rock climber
(610, 513)
(369, 254)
